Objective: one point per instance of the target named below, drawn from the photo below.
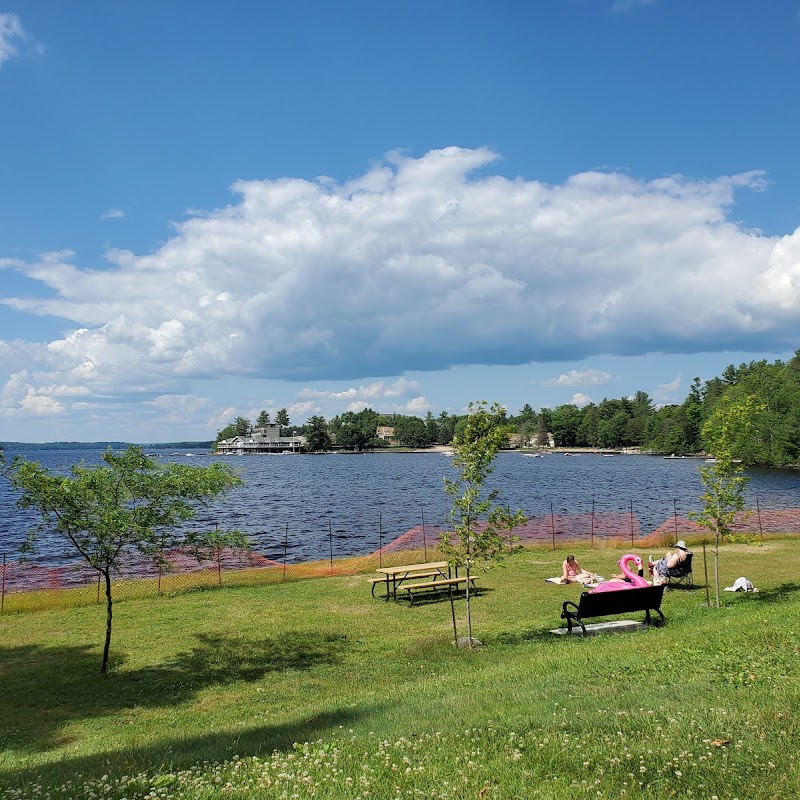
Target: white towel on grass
(741, 585)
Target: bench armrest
(565, 611)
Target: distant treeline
(610, 424)
(102, 445)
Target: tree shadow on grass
(777, 594)
(174, 753)
(442, 596)
(46, 688)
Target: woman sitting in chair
(672, 564)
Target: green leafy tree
(282, 418)
(612, 430)
(431, 429)
(317, 437)
(447, 427)
(356, 430)
(543, 428)
(411, 432)
(725, 433)
(228, 432)
(263, 419)
(242, 426)
(565, 420)
(587, 435)
(525, 423)
(128, 503)
(478, 523)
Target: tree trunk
(453, 614)
(107, 646)
(716, 568)
(469, 609)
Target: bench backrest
(621, 601)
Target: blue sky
(207, 210)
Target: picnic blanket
(557, 581)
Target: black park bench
(606, 604)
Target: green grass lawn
(313, 689)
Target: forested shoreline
(627, 422)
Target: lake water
(352, 504)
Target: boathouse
(264, 439)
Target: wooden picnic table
(393, 577)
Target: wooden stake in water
(380, 540)
(592, 528)
(424, 540)
(552, 525)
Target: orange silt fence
(25, 586)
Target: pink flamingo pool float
(634, 581)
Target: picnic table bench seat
(385, 579)
(606, 604)
(434, 585)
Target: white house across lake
(264, 439)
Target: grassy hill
(313, 689)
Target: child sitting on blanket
(573, 572)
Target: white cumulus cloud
(416, 265)
(580, 400)
(667, 393)
(11, 35)
(585, 377)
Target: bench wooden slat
(412, 587)
(430, 584)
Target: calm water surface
(352, 504)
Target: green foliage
(726, 433)
(263, 419)
(339, 695)
(228, 432)
(356, 430)
(130, 503)
(613, 423)
(317, 437)
(477, 522)
(411, 432)
(239, 427)
(282, 418)
(243, 426)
